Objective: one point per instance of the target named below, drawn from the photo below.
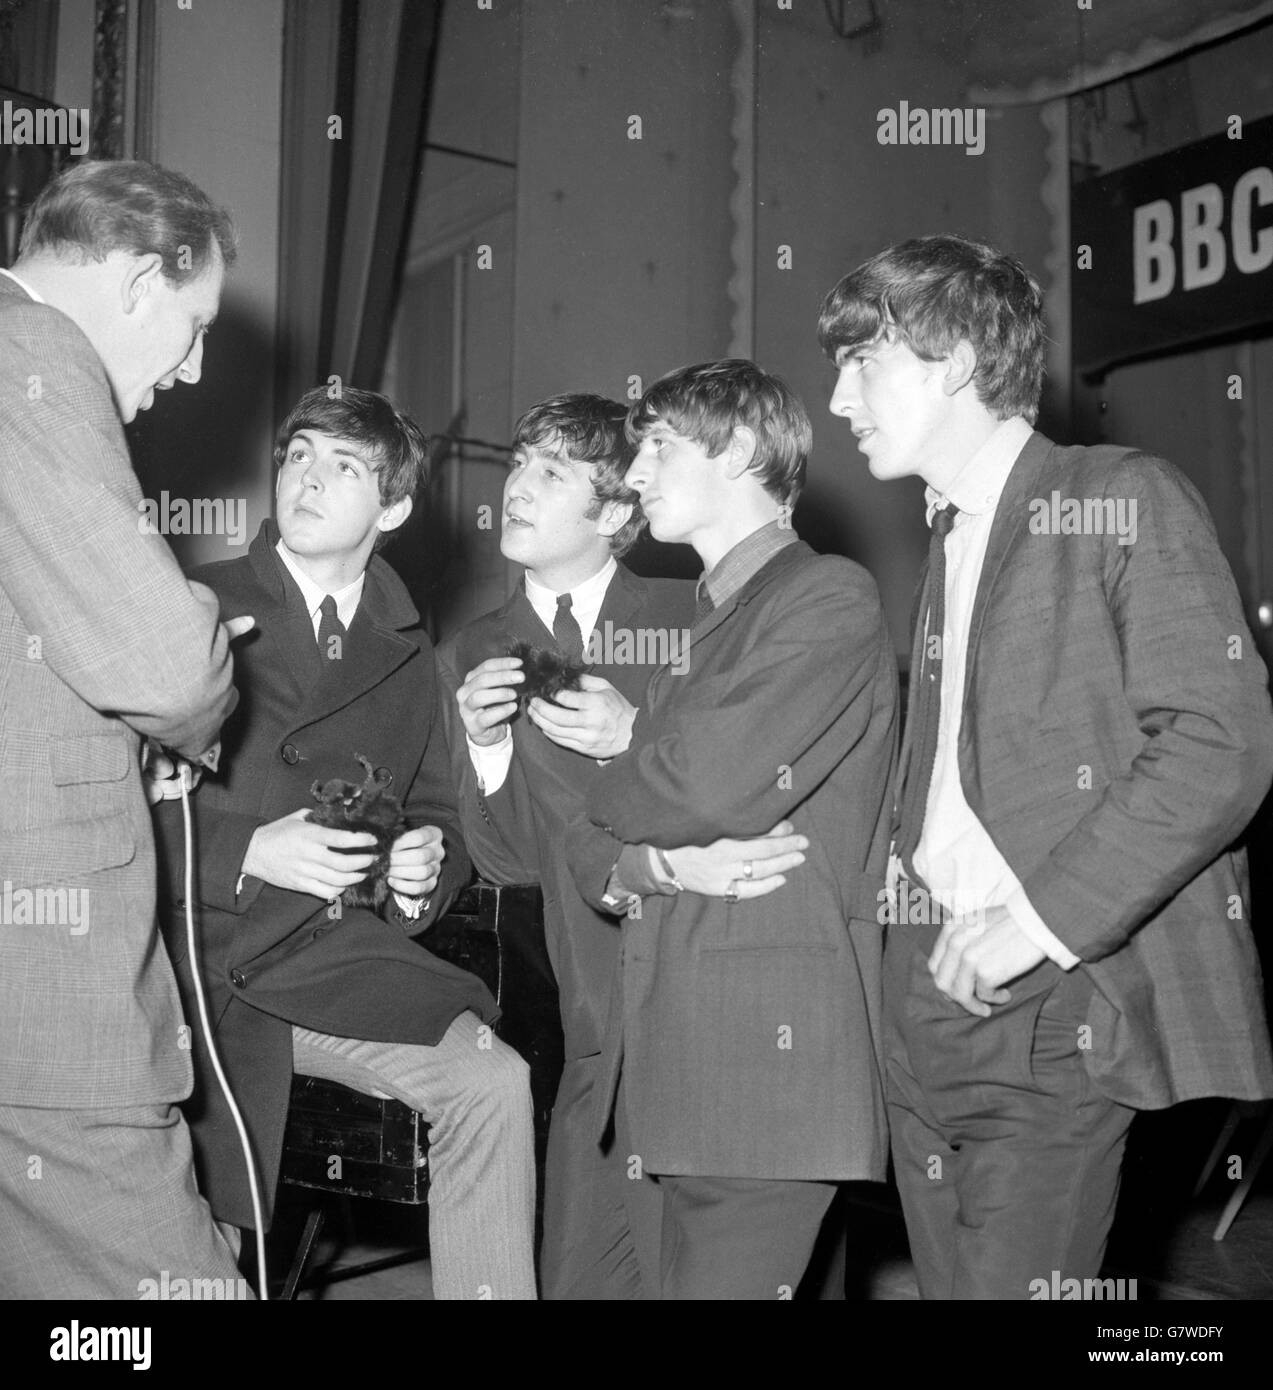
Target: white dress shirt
(347, 599)
(492, 763)
(955, 856)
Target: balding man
(103, 643)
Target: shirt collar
(588, 594)
(22, 285)
(738, 564)
(346, 598)
(980, 482)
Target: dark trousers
(739, 1238)
(1006, 1156)
(602, 1213)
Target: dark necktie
(330, 626)
(925, 694)
(703, 604)
(566, 630)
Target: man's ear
(393, 517)
(141, 277)
(961, 364)
(740, 451)
(614, 517)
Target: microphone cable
(186, 778)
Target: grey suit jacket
(749, 1033)
(102, 641)
(1116, 739)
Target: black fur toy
(547, 672)
(370, 807)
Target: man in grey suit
(102, 644)
(1089, 734)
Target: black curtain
(356, 81)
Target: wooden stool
(342, 1143)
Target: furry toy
(547, 672)
(370, 807)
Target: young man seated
(747, 1033)
(336, 670)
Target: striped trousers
(474, 1092)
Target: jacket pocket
(70, 804)
(88, 758)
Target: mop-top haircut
(707, 402)
(588, 429)
(395, 444)
(931, 292)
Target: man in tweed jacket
(102, 644)
(1072, 940)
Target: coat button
(238, 979)
(291, 754)
(383, 777)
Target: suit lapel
(374, 647)
(918, 609)
(523, 622)
(1009, 526)
(373, 650)
(772, 569)
(283, 617)
(623, 597)
(1005, 534)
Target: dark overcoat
(271, 957)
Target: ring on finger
(731, 891)
(747, 868)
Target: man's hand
(712, 869)
(487, 699)
(415, 861)
(595, 719)
(161, 774)
(295, 853)
(975, 957)
(234, 627)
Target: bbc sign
(1181, 249)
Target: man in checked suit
(1089, 735)
(298, 982)
(102, 644)
(569, 518)
(746, 1032)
